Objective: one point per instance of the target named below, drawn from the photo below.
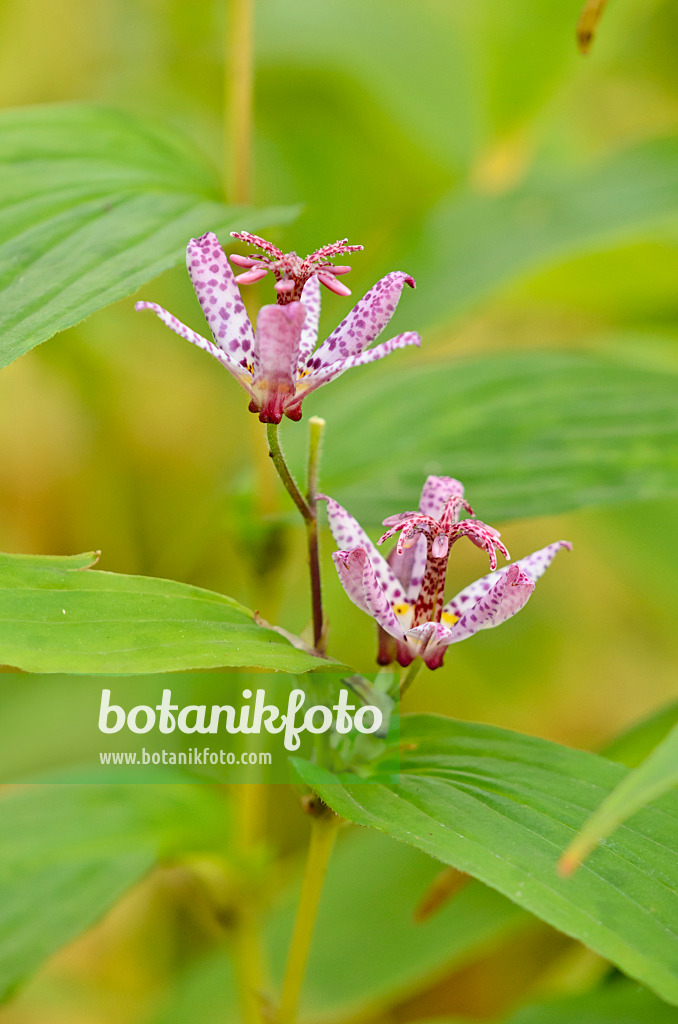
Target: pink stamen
(341, 270)
(251, 276)
(242, 261)
(333, 285)
(284, 286)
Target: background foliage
(532, 193)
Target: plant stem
(323, 833)
(316, 426)
(239, 81)
(307, 507)
(276, 454)
(409, 676)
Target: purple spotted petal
(366, 320)
(219, 298)
(241, 374)
(309, 335)
(325, 373)
(436, 492)
(363, 588)
(509, 594)
(278, 337)
(535, 565)
(506, 597)
(348, 534)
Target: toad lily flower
(280, 365)
(405, 593)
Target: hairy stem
(323, 833)
(239, 81)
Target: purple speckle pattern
(389, 591)
(280, 365)
(366, 320)
(348, 534)
(436, 492)
(219, 298)
(241, 375)
(535, 565)
(309, 334)
(360, 582)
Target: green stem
(239, 82)
(409, 676)
(276, 454)
(316, 426)
(307, 507)
(323, 833)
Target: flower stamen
(291, 272)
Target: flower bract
(280, 364)
(405, 593)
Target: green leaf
(483, 242)
(634, 745)
(617, 1003)
(502, 807)
(68, 853)
(390, 954)
(657, 775)
(528, 434)
(93, 203)
(56, 615)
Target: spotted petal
(365, 322)
(309, 335)
(509, 594)
(241, 375)
(348, 533)
(436, 492)
(219, 297)
(278, 338)
(360, 582)
(325, 373)
(535, 565)
(410, 565)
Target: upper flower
(280, 365)
(405, 594)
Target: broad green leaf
(528, 434)
(93, 203)
(657, 775)
(634, 745)
(57, 615)
(619, 1002)
(361, 960)
(485, 241)
(389, 953)
(502, 807)
(68, 853)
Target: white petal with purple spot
(535, 565)
(348, 534)
(366, 320)
(219, 297)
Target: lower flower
(404, 593)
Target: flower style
(280, 365)
(405, 593)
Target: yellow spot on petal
(402, 608)
(449, 619)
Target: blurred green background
(394, 124)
